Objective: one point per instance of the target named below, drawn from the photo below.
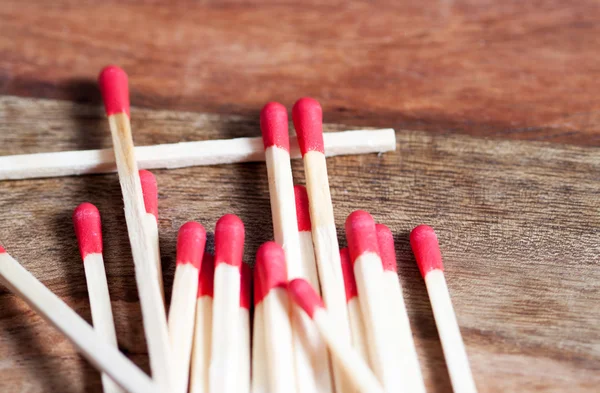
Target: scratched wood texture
(518, 224)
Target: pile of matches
(357, 337)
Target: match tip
(206, 276)
(426, 248)
(245, 286)
(385, 241)
(190, 244)
(305, 296)
(302, 208)
(274, 126)
(114, 87)
(2, 250)
(308, 121)
(361, 234)
(271, 267)
(258, 292)
(88, 229)
(229, 240)
(348, 273)
(150, 192)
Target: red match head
(274, 126)
(271, 267)
(426, 248)
(190, 244)
(258, 292)
(114, 86)
(150, 192)
(245, 286)
(206, 276)
(308, 121)
(229, 240)
(385, 241)
(302, 210)
(88, 229)
(348, 273)
(361, 234)
(2, 250)
(305, 296)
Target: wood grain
(510, 69)
(517, 222)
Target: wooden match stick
(409, 370)
(150, 194)
(184, 154)
(244, 333)
(93, 346)
(88, 229)
(190, 249)
(203, 327)
(311, 359)
(307, 250)
(115, 93)
(355, 367)
(357, 325)
(260, 375)
(368, 271)
(229, 248)
(424, 243)
(271, 269)
(308, 119)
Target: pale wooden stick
(424, 243)
(184, 154)
(113, 84)
(310, 353)
(88, 228)
(96, 349)
(244, 348)
(355, 367)
(260, 373)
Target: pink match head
(88, 229)
(206, 276)
(114, 86)
(2, 250)
(385, 240)
(190, 244)
(150, 192)
(348, 273)
(308, 121)
(426, 248)
(305, 296)
(361, 234)
(245, 286)
(302, 210)
(229, 240)
(274, 126)
(271, 267)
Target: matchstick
(229, 248)
(88, 229)
(271, 269)
(190, 249)
(307, 250)
(355, 367)
(115, 93)
(93, 345)
(260, 376)
(357, 325)
(308, 119)
(368, 271)
(184, 154)
(244, 332)
(409, 370)
(203, 327)
(310, 352)
(424, 243)
(150, 194)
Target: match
(115, 93)
(425, 246)
(244, 332)
(260, 374)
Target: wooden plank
(517, 222)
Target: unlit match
(244, 326)
(260, 380)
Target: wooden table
(518, 221)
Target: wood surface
(517, 223)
